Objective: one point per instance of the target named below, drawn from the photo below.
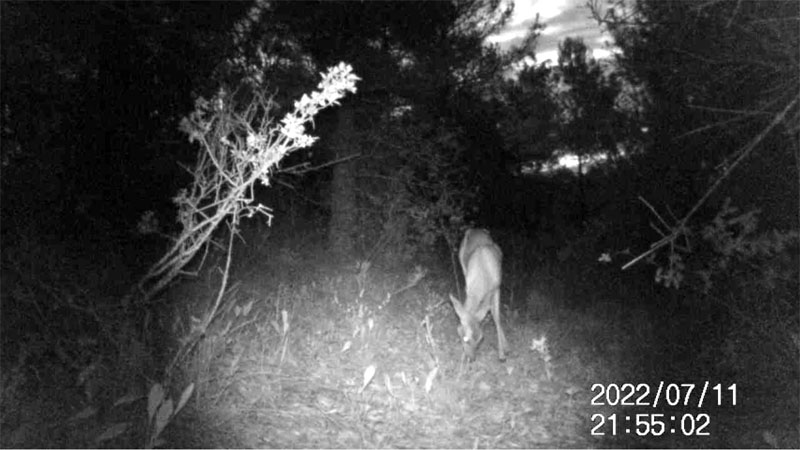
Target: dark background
(93, 94)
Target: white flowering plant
(238, 146)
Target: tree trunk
(343, 187)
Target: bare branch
(743, 153)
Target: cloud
(547, 9)
(562, 19)
(551, 55)
(526, 10)
(552, 29)
(507, 35)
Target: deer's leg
(502, 345)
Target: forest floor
(306, 355)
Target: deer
(480, 259)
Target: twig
(200, 330)
(742, 154)
(655, 213)
(303, 168)
(746, 150)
